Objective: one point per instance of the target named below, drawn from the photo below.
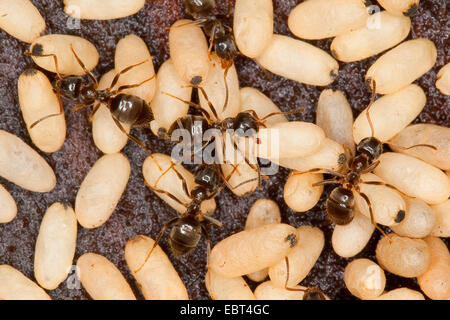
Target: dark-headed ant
(186, 231)
(244, 124)
(124, 108)
(340, 203)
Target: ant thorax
(103, 96)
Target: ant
(221, 37)
(340, 203)
(124, 108)
(187, 230)
(245, 124)
(311, 293)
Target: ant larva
(124, 108)
(341, 202)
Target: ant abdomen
(195, 125)
(371, 146)
(340, 206)
(127, 108)
(185, 235)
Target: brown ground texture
(140, 211)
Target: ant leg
(183, 182)
(167, 170)
(318, 170)
(349, 152)
(125, 87)
(381, 183)
(371, 167)
(224, 179)
(324, 182)
(208, 246)
(227, 91)
(78, 107)
(90, 75)
(244, 182)
(94, 111)
(61, 111)
(55, 59)
(254, 167)
(414, 146)
(211, 41)
(212, 220)
(372, 100)
(158, 238)
(299, 110)
(117, 76)
(322, 296)
(229, 9)
(198, 22)
(136, 140)
(213, 110)
(372, 218)
(171, 196)
(192, 104)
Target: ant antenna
(372, 100)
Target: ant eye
(342, 158)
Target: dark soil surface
(140, 211)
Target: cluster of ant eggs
(410, 187)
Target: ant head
(245, 124)
(185, 235)
(207, 177)
(371, 147)
(340, 205)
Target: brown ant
(187, 230)
(340, 203)
(244, 124)
(124, 108)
